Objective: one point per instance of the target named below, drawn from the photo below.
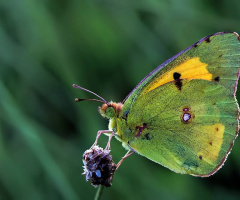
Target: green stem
(99, 192)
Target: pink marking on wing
(140, 128)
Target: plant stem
(99, 192)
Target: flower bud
(99, 167)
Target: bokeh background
(107, 46)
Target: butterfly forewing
(184, 114)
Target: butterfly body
(184, 115)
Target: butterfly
(183, 115)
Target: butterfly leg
(124, 157)
(109, 140)
(98, 135)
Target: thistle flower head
(99, 167)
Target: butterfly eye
(110, 112)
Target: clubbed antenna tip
(81, 88)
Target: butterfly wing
(184, 115)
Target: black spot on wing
(176, 76)
(217, 79)
(178, 81)
(208, 39)
(147, 136)
(178, 84)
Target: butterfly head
(110, 110)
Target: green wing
(184, 115)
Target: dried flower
(99, 167)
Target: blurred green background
(107, 46)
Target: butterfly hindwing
(184, 115)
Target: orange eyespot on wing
(190, 69)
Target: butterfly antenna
(77, 100)
(81, 88)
